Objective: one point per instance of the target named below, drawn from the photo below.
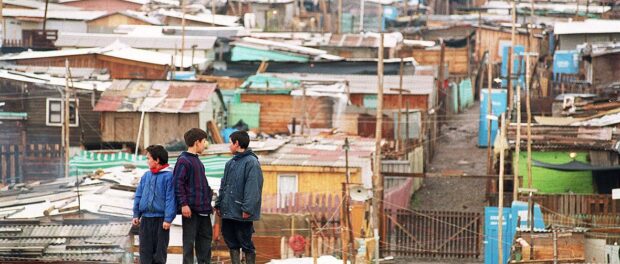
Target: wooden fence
(31, 162)
(569, 204)
(433, 234)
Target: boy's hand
(245, 215)
(166, 226)
(186, 212)
(135, 221)
(217, 212)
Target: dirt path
(457, 153)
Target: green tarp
(556, 181)
(240, 53)
(89, 161)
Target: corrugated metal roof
(38, 5)
(367, 84)
(589, 26)
(90, 40)
(326, 153)
(220, 20)
(53, 14)
(144, 30)
(135, 15)
(160, 96)
(64, 231)
(116, 50)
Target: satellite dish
(359, 193)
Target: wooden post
(139, 134)
(2, 21)
(528, 108)
(182, 34)
(44, 15)
(442, 57)
(489, 113)
(213, 13)
(343, 225)
(66, 118)
(378, 177)
(500, 202)
(304, 110)
(339, 16)
(400, 108)
(361, 16)
(511, 57)
(313, 246)
(515, 187)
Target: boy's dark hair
(158, 152)
(193, 135)
(242, 137)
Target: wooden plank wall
(38, 132)
(491, 38)
(278, 110)
(310, 179)
(32, 162)
(165, 128)
(390, 101)
(574, 204)
(456, 58)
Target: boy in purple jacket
(194, 198)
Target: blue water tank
(498, 101)
(566, 61)
(511, 217)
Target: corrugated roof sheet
(38, 5)
(589, 26)
(367, 84)
(220, 20)
(136, 15)
(91, 40)
(53, 14)
(116, 50)
(160, 96)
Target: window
(55, 112)
(287, 187)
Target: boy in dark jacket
(239, 199)
(194, 199)
(154, 207)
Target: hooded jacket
(241, 188)
(155, 196)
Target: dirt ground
(457, 153)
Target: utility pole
(213, 13)
(2, 21)
(500, 203)
(361, 16)
(515, 187)
(344, 224)
(339, 16)
(378, 177)
(182, 33)
(489, 113)
(303, 109)
(399, 142)
(44, 16)
(442, 58)
(66, 118)
(511, 57)
(347, 201)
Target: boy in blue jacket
(154, 207)
(239, 200)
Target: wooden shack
(493, 38)
(170, 109)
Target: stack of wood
(561, 137)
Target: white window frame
(281, 196)
(62, 110)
